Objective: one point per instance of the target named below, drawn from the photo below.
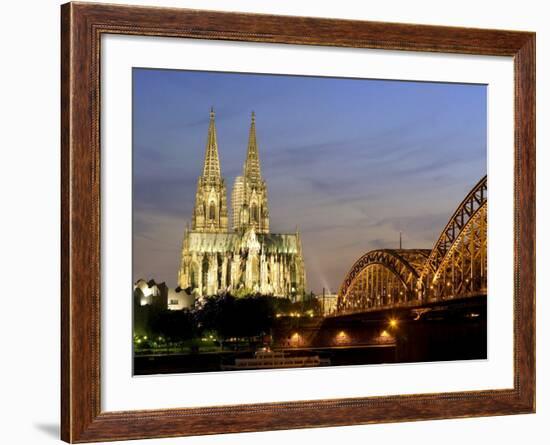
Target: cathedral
(237, 254)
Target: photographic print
(285, 221)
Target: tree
(175, 325)
(237, 317)
(254, 316)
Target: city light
(233, 288)
(295, 340)
(341, 338)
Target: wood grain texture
(82, 27)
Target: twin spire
(252, 162)
(249, 194)
(211, 168)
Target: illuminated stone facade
(210, 211)
(249, 199)
(247, 259)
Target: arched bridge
(456, 267)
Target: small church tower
(210, 212)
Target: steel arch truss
(462, 272)
(381, 278)
(456, 267)
(476, 199)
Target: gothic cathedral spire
(211, 169)
(210, 212)
(249, 199)
(252, 164)
(249, 259)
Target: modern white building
(149, 292)
(179, 299)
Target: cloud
(351, 163)
(307, 153)
(416, 225)
(168, 195)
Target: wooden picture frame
(82, 26)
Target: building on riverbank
(247, 259)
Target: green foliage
(286, 306)
(175, 325)
(242, 292)
(236, 317)
(221, 317)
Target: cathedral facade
(238, 254)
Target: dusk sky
(349, 162)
